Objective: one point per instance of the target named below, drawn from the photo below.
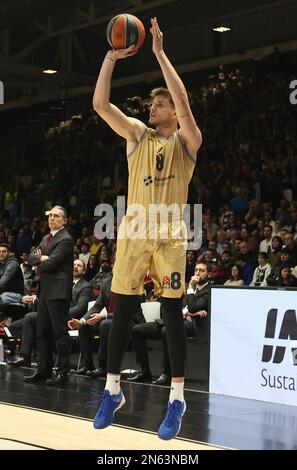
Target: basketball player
(161, 164)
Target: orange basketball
(124, 30)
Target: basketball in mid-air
(124, 30)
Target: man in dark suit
(194, 325)
(54, 258)
(82, 292)
(96, 322)
(81, 295)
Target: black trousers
(85, 339)
(154, 331)
(25, 328)
(86, 333)
(52, 317)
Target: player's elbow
(100, 107)
(199, 137)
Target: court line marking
(25, 442)
(207, 444)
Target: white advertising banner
(253, 344)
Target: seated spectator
(210, 226)
(239, 204)
(268, 219)
(285, 260)
(218, 272)
(221, 238)
(85, 253)
(212, 245)
(206, 257)
(235, 278)
(190, 264)
(25, 328)
(262, 271)
(259, 231)
(103, 253)
(97, 322)
(11, 277)
(265, 244)
(232, 223)
(277, 229)
(95, 247)
(226, 262)
(286, 278)
(292, 247)
(204, 242)
(236, 247)
(251, 241)
(275, 253)
(246, 261)
(93, 267)
(105, 272)
(253, 216)
(197, 308)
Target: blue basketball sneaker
(109, 405)
(172, 422)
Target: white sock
(176, 391)
(113, 384)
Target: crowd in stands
(245, 179)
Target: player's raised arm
(129, 128)
(189, 130)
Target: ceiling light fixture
(221, 29)
(50, 71)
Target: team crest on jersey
(148, 180)
(166, 282)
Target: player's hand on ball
(116, 54)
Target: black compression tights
(120, 332)
(176, 339)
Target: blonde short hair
(161, 92)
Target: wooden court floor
(61, 418)
(27, 428)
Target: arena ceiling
(69, 35)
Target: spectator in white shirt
(262, 271)
(265, 244)
(85, 253)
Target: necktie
(50, 236)
(111, 305)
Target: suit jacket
(196, 302)
(82, 294)
(103, 301)
(11, 276)
(56, 273)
